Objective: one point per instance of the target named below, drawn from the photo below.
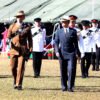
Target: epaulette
(97, 30)
(89, 32)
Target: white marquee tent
(49, 10)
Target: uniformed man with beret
(94, 29)
(39, 40)
(87, 41)
(96, 43)
(72, 24)
(21, 40)
(73, 19)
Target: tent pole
(93, 8)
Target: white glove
(52, 42)
(45, 49)
(57, 54)
(82, 55)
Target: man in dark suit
(66, 45)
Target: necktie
(65, 30)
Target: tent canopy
(49, 10)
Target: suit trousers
(37, 61)
(17, 68)
(68, 72)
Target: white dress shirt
(39, 39)
(66, 30)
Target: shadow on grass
(87, 88)
(43, 76)
(90, 76)
(10, 76)
(43, 89)
(5, 76)
(77, 89)
(49, 76)
(28, 76)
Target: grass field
(48, 86)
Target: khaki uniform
(19, 43)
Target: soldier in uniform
(21, 40)
(87, 40)
(39, 40)
(72, 24)
(96, 36)
(94, 30)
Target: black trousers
(93, 60)
(85, 64)
(68, 72)
(97, 57)
(37, 61)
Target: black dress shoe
(15, 87)
(97, 69)
(93, 69)
(83, 76)
(64, 90)
(70, 90)
(19, 87)
(36, 76)
(86, 75)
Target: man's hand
(30, 49)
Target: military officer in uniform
(87, 42)
(66, 46)
(72, 24)
(39, 40)
(73, 19)
(94, 30)
(21, 40)
(96, 36)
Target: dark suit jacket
(66, 43)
